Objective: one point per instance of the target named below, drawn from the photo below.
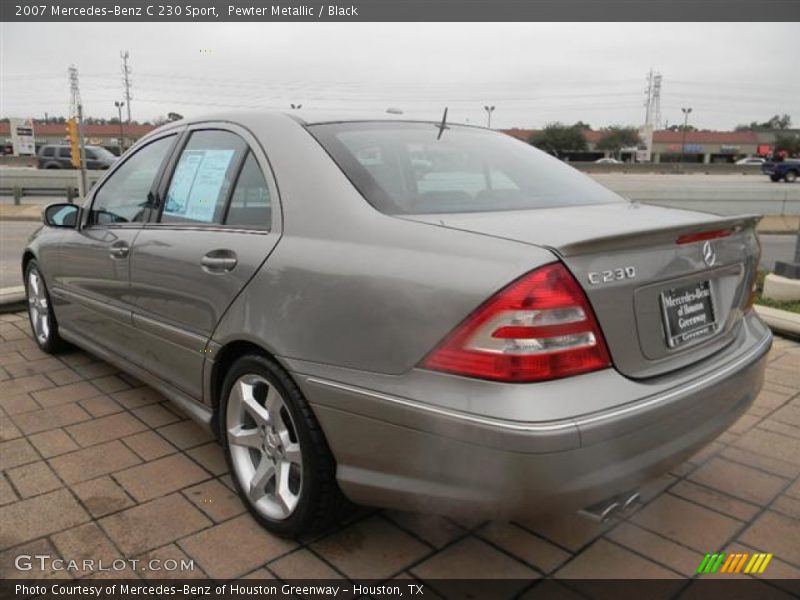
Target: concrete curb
(780, 321)
(12, 299)
(22, 212)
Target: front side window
(125, 195)
(49, 151)
(417, 168)
(65, 152)
(203, 178)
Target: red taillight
(540, 327)
(703, 236)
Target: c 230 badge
(616, 274)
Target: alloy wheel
(38, 307)
(264, 447)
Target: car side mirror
(61, 215)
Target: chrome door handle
(219, 261)
(119, 250)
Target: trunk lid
(638, 277)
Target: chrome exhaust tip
(616, 507)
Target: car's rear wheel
(276, 451)
(791, 176)
(775, 178)
(40, 310)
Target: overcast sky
(534, 73)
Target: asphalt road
(14, 235)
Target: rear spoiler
(655, 236)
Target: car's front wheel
(276, 451)
(40, 310)
(791, 176)
(775, 178)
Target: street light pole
(489, 110)
(119, 106)
(686, 112)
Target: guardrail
(20, 182)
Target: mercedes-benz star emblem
(709, 256)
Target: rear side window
(65, 152)
(416, 168)
(251, 204)
(203, 178)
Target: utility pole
(119, 106)
(76, 110)
(489, 110)
(686, 112)
(126, 80)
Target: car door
(91, 282)
(92, 159)
(217, 223)
(65, 157)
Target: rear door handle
(119, 250)
(219, 261)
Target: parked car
(59, 156)
(608, 161)
(750, 160)
(787, 169)
(496, 334)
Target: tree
(681, 128)
(787, 142)
(616, 137)
(783, 121)
(173, 116)
(557, 138)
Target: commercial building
(106, 135)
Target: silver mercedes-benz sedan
(419, 315)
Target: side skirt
(192, 408)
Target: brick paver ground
(96, 465)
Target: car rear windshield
(420, 168)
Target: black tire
(321, 502)
(52, 342)
(775, 178)
(790, 177)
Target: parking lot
(96, 465)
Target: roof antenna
(443, 125)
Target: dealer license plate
(688, 313)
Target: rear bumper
(399, 452)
